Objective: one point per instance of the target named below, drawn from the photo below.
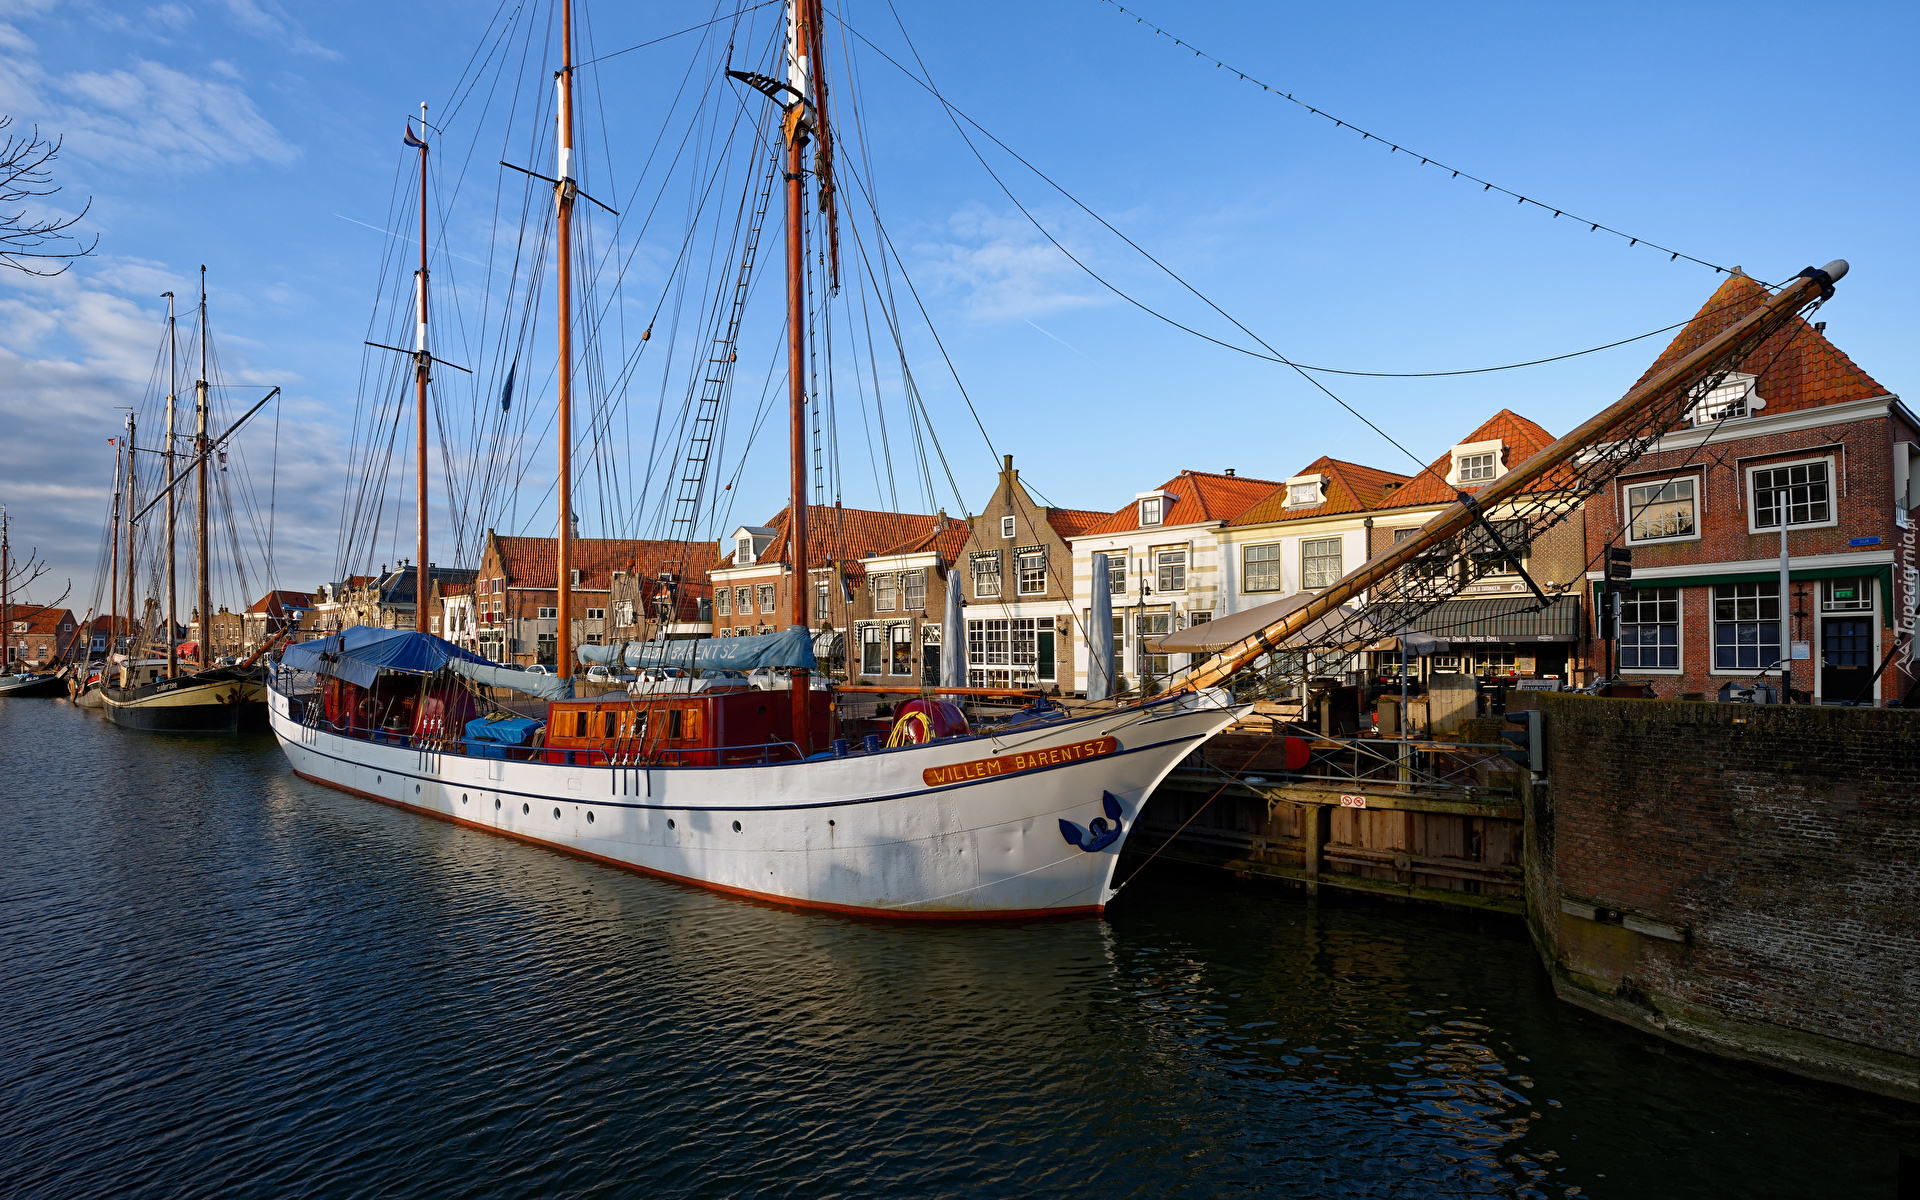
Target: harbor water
(220, 980)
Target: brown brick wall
(1782, 844)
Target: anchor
(1098, 835)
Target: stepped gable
(1523, 439)
(1198, 497)
(1797, 368)
(1351, 487)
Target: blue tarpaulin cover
(362, 652)
(793, 648)
(514, 731)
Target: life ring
(918, 722)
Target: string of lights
(1396, 148)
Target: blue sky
(264, 141)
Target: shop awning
(1503, 619)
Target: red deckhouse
(1801, 435)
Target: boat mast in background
(202, 453)
(563, 193)
(131, 573)
(422, 363)
(113, 546)
(173, 596)
(6, 628)
(796, 127)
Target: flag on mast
(412, 140)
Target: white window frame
(1184, 566)
(743, 602)
(1753, 497)
(910, 582)
(743, 550)
(1116, 563)
(723, 602)
(769, 598)
(1153, 511)
(548, 614)
(1716, 404)
(1481, 472)
(899, 663)
(1021, 571)
(997, 574)
(1627, 487)
(1007, 527)
(886, 592)
(1680, 632)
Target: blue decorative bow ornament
(1098, 834)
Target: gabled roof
(46, 621)
(1350, 488)
(530, 562)
(1072, 522)
(1797, 368)
(1521, 438)
(280, 600)
(846, 535)
(1198, 496)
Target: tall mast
(113, 540)
(794, 125)
(563, 204)
(421, 363)
(130, 567)
(173, 596)
(200, 482)
(6, 626)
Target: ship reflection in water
(224, 980)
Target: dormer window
(743, 550)
(1476, 464)
(1733, 397)
(1150, 510)
(576, 577)
(1477, 468)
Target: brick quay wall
(1744, 879)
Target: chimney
(1228, 472)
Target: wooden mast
(130, 569)
(794, 125)
(173, 598)
(6, 626)
(422, 362)
(201, 452)
(564, 192)
(113, 542)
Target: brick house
(1800, 435)
(1019, 588)
(228, 638)
(865, 569)
(663, 591)
(37, 638)
(517, 599)
(273, 612)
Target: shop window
(1746, 625)
(1650, 630)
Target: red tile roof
(1197, 496)
(44, 621)
(1351, 488)
(1798, 368)
(530, 561)
(1072, 522)
(847, 534)
(280, 600)
(1521, 438)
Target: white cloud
(154, 116)
(266, 20)
(1005, 269)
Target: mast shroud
(1606, 425)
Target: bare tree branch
(33, 244)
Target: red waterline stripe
(767, 898)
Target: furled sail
(792, 648)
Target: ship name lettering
(1052, 756)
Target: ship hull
(190, 706)
(25, 686)
(867, 833)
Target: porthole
(416, 789)
(556, 814)
(463, 797)
(526, 808)
(496, 804)
(829, 820)
(736, 827)
(669, 822)
(379, 778)
(589, 818)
